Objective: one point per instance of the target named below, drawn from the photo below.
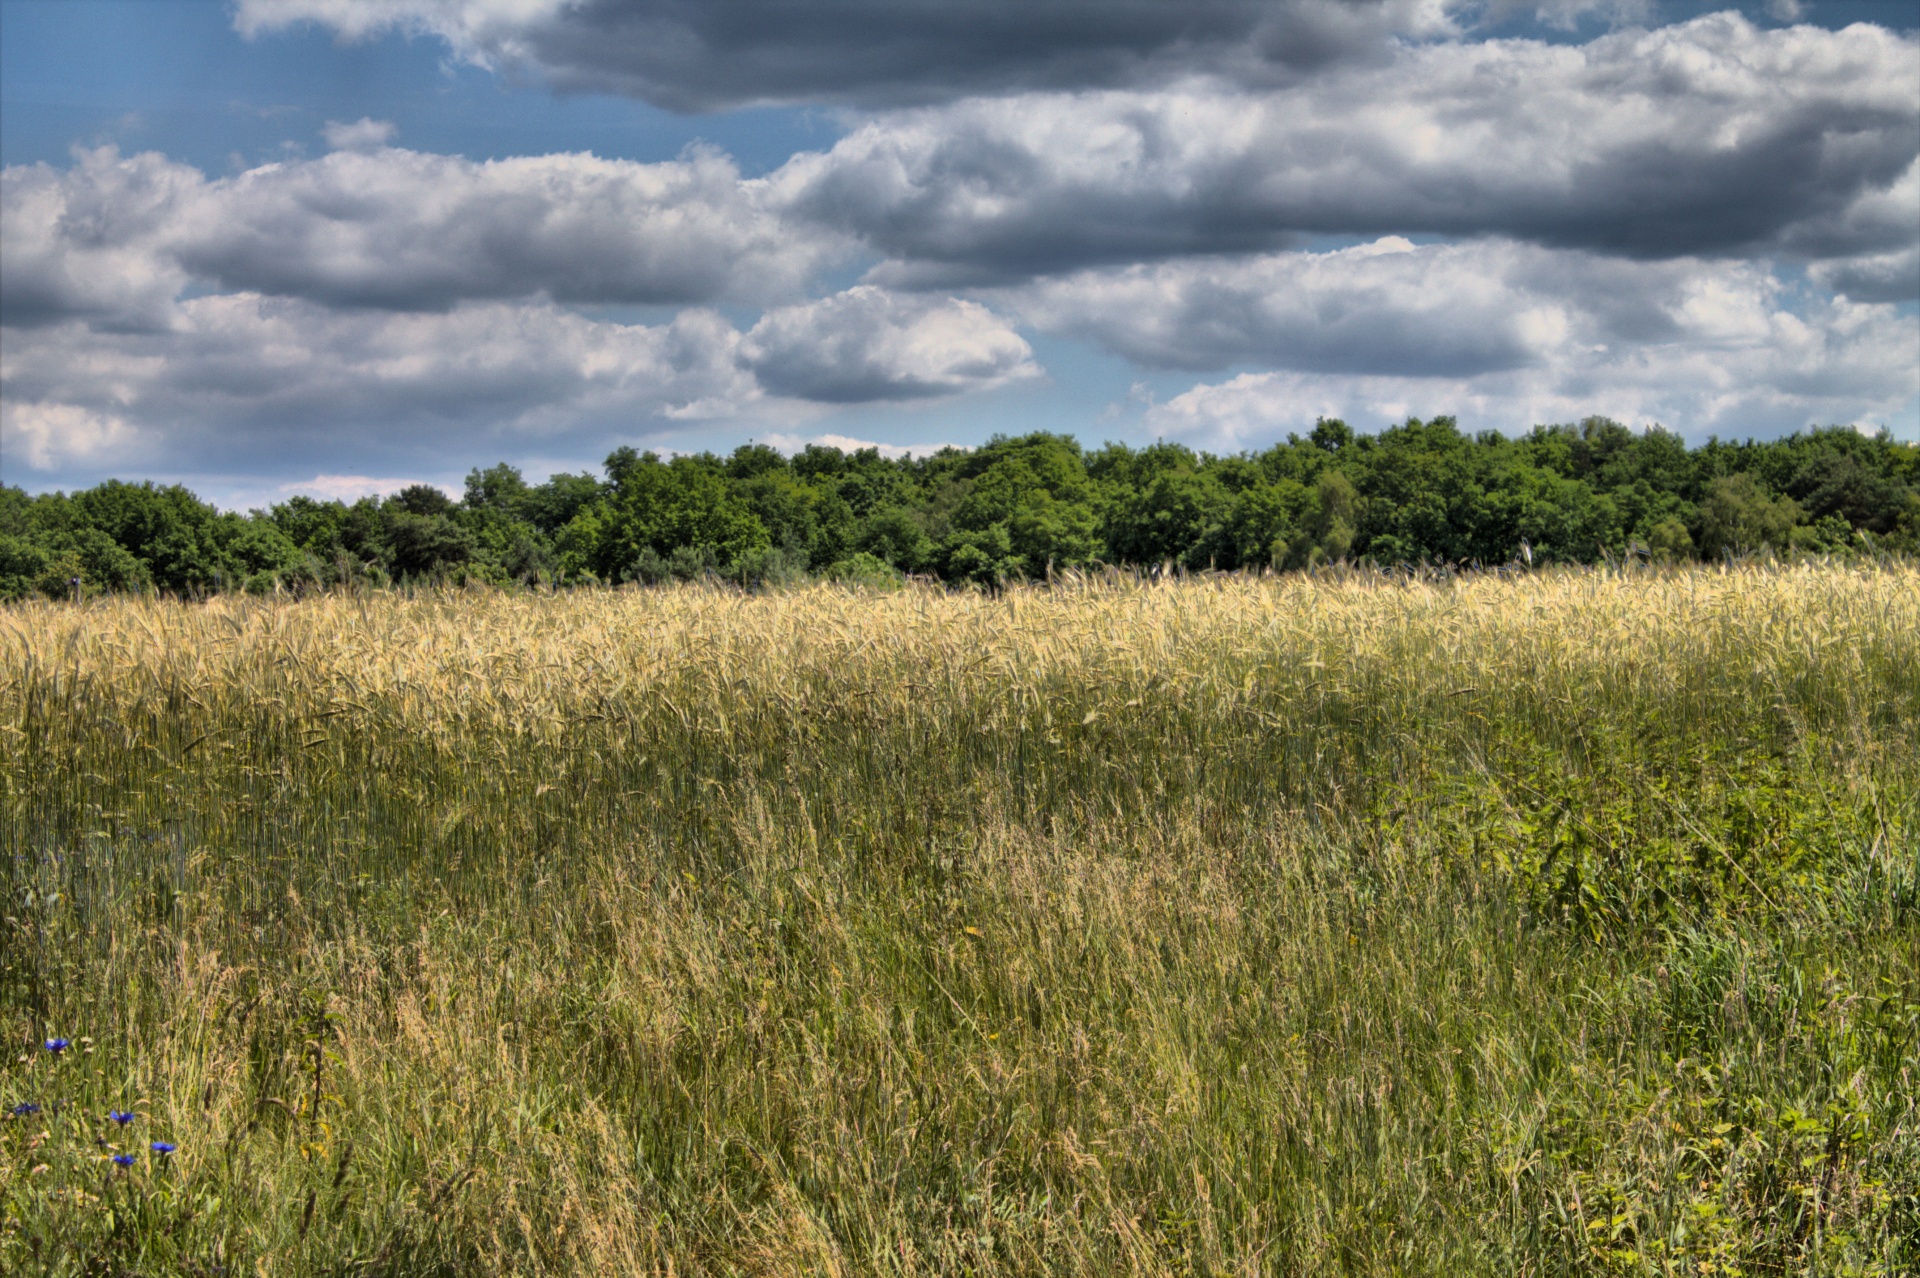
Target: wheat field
(1346, 923)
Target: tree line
(1018, 507)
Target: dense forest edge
(1017, 507)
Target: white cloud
(790, 443)
(48, 436)
(251, 381)
(1744, 365)
(115, 239)
(1622, 215)
(344, 487)
(868, 344)
(406, 229)
(362, 135)
(464, 22)
(1393, 308)
(247, 381)
(1500, 333)
(1384, 307)
(1708, 137)
(91, 241)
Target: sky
(268, 247)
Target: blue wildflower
(120, 1116)
(58, 1045)
(25, 1109)
(162, 1147)
(123, 1160)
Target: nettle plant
(79, 1160)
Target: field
(1563, 923)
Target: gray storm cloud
(709, 54)
(1712, 137)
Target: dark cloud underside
(710, 54)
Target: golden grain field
(1557, 923)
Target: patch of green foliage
(1419, 493)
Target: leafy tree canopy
(1019, 506)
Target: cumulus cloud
(1876, 277)
(1388, 307)
(868, 344)
(406, 229)
(1393, 308)
(709, 54)
(1742, 365)
(264, 378)
(1708, 137)
(91, 242)
(343, 487)
(1503, 334)
(244, 380)
(1712, 137)
(362, 135)
(1880, 219)
(1621, 216)
(116, 239)
(790, 443)
(50, 435)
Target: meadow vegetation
(1563, 922)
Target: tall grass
(1557, 924)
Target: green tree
(1025, 508)
(1180, 515)
(257, 545)
(498, 488)
(662, 509)
(421, 546)
(549, 506)
(1668, 540)
(1334, 515)
(1260, 524)
(894, 535)
(1738, 515)
(169, 530)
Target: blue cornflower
(123, 1160)
(161, 1147)
(120, 1116)
(24, 1109)
(58, 1045)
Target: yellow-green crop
(1563, 923)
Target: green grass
(1566, 924)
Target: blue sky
(330, 246)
